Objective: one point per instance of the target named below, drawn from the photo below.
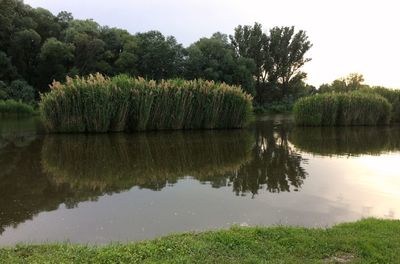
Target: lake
(128, 187)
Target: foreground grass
(366, 241)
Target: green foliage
(158, 57)
(11, 107)
(100, 104)
(57, 54)
(342, 109)
(366, 241)
(214, 59)
(350, 83)
(279, 56)
(39, 47)
(18, 90)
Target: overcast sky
(348, 35)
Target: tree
(46, 23)
(158, 57)
(352, 82)
(19, 90)
(89, 48)
(214, 59)
(60, 56)
(279, 57)
(249, 42)
(63, 19)
(25, 46)
(7, 71)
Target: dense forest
(37, 47)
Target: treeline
(37, 47)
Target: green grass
(12, 107)
(365, 241)
(101, 104)
(343, 109)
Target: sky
(347, 35)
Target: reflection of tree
(275, 164)
(68, 169)
(25, 190)
(346, 141)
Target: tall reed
(101, 104)
(343, 109)
(393, 97)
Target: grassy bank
(100, 104)
(15, 108)
(343, 109)
(366, 241)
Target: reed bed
(393, 97)
(343, 109)
(101, 104)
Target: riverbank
(365, 241)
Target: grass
(101, 104)
(12, 107)
(365, 241)
(343, 109)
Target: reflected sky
(123, 187)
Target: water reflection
(45, 173)
(275, 164)
(112, 163)
(346, 141)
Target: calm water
(124, 187)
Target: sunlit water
(125, 187)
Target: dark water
(123, 187)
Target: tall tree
(60, 56)
(158, 57)
(214, 59)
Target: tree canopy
(38, 47)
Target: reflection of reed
(346, 141)
(151, 160)
(18, 132)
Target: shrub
(101, 104)
(18, 90)
(345, 109)
(15, 107)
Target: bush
(102, 104)
(344, 109)
(13, 107)
(18, 90)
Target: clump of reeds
(100, 104)
(12, 107)
(343, 109)
(393, 97)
